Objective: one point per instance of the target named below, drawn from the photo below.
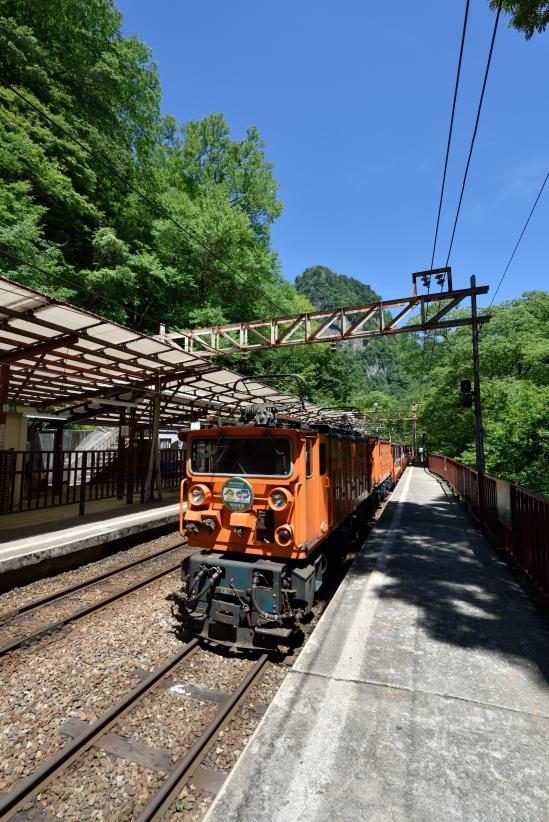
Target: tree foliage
(527, 16)
(200, 253)
(514, 359)
(326, 289)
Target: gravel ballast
(49, 613)
(82, 670)
(79, 673)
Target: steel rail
(35, 782)
(53, 597)
(161, 801)
(87, 609)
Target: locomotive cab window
(266, 456)
(308, 459)
(322, 458)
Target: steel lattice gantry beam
(55, 355)
(331, 325)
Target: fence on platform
(43, 479)
(518, 520)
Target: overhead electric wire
(473, 138)
(450, 129)
(470, 154)
(525, 226)
(100, 157)
(443, 184)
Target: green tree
(527, 16)
(326, 289)
(70, 62)
(514, 358)
(64, 209)
(205, 157)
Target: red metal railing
(43, 479)
(518, 520)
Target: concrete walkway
(45, 535)
(422, 695)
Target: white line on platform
(322, 736)
(352, 654)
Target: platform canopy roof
(83, 367)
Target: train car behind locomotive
(262, 501)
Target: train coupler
(239, 600)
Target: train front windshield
(266, 456)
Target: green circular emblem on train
(237, 494)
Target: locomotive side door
(309, 493)
(325, 496)
(316, 491)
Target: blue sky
(353, 102)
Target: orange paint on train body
(317, 479)
(261, 504)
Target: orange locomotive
(262, 499)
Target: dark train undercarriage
(256, 603)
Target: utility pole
(414, 431)
(476, 381)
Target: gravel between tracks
(119, 790)
(231, 741)
(102, 786)
(192, 802)
(172, 721)
(48, 613)
(79, 673)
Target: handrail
(515, 518)
(31, 480)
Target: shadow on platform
(464, 592)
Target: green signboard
(9, 406)
(237, 494)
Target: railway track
(30, 610)
(163, 738)
(37, 784)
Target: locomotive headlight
(283, 534)
(199, 495)
(279, 499)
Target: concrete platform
(422, 694)
(44, 536)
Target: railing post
(144, 456)
(131, 457)
(58, 464)
(4, 394)
(8, 466)
(481, 498)
(120, 470)
(83, 474)
(130, 465)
